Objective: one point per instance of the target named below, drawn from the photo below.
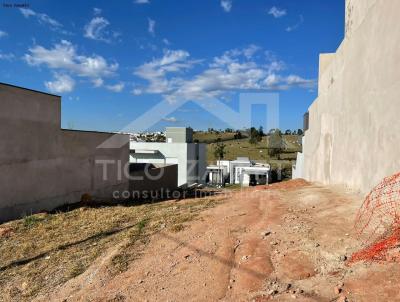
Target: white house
(240, 171)
(254, 175)
(235, 168)
(178, 149)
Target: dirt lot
(283, 242)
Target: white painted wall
(298, 169)
(354, 134)
(189, 157)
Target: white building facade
(179, 149)
(241, 171)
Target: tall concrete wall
(356, 12)
(42, 166)
(354, 135)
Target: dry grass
(211, 137)
(45, 250)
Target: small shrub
(30, 221)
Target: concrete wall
(178, 135)
(356, 12)
(354, 132)
(197, 164)
(42, 166)
(148, 180)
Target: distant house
(179, 150)
(241, 171)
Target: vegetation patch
(43, 251)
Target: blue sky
(112, 61)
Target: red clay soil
(283, 242)
(292, 184)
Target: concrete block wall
(353, 137)
(43, 166)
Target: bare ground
(286, 242)
(283, 242)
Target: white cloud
(297, 25)
(155, 72)
(166, 42)
(63, 56)
(6, 56)
(271, 80)
(3, 34)
(277, 12)
(226, 5)
(299, 81)
(233, 55)
(62, 83)
(98, 82)
(151, 26)
(44, 20)
(170, 119)
(142, 1)
(26, 12)
(116, 88)
(250, 50)
(95, 29)
(236, 70)
(137, 91)
(97, 11)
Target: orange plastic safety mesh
(378, 220)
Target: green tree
(219, 150)
(255, 135)
(238, 135)
(253, 140)
(261, 131)
(272, 131)
(275, 143)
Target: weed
(75, 270)
(31, 220)
(177, 228)
(142, 224)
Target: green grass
(31, 220)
